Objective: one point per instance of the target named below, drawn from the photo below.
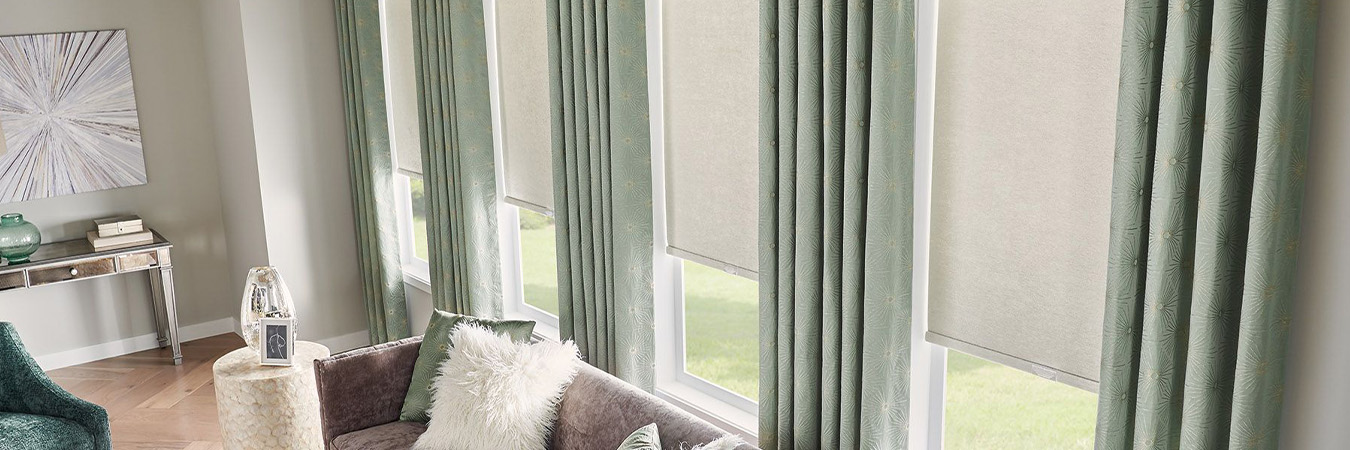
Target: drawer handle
(74, 271)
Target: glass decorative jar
(18, 238)
(265, 295)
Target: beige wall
(245, 140)
(1317, 387)
(182, 199)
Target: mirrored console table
(74, 260)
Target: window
(417, 206)
(721, 329)
(538, 261)
(994, 406)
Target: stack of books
(115, 232)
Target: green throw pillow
(435, 347)
(644, 438)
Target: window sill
(417, 277)
(720, 413)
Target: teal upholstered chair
(35, 413)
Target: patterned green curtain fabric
(372, 168)
(836, 206)
(602, 183)
(1213, 125)
(450, 50)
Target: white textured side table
(269, 407)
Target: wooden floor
(151, 403)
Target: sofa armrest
(365, 387)
(598, 411)
(26, 389)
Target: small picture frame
(277, 348)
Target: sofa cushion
(31, 432)
(390, 436)
(435, 344)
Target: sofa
(362, 391)
(35, 413)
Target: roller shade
(711, 71)
(1024, 139)
(522, 57)
(401, 86)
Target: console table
(66, 261)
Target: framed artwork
(277, 348)
(68, 121)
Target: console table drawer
(85, 269)
(136, 261)
(12, 280)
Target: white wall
(236, 152)
(300, 135)
(182, 199)
(1317, 387)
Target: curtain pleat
(371, 169)
(1212, 133)
(836, 209)
(450, 51)
(602, 183)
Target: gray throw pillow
(436, 345)
(644, 438)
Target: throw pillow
(644, 438)
(497, 394)
(435, 344)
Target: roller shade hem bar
(530, 206)
(409, 173)
(725, 267)
(1048, 373)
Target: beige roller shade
(400, 81)
(1024, 137)
(522, 56)
(711, 72)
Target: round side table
(269, 407)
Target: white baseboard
(133, 344)
(338, 344)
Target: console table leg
(157, 301)
(163, 277)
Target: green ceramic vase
(18, 238)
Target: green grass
(987, 405)
(539, 261)
(721, 328)
(994, 406)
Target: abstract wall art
(68, 121)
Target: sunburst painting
(68, 121)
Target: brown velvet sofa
(361, 393)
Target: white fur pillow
(494, 393)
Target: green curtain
(450, 51)
(372, 168)
(1212, 135)
(836, 132)
(602, 183)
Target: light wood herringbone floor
(151, 403)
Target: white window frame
(508, 216)
(413, 267)
(416, 271)
(928, 362)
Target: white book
(116, 226)
(101, 243)
(118, 231)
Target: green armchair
(35, 413)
